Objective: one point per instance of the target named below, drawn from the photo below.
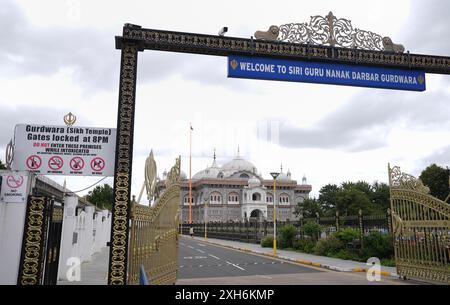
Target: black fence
(253, 231)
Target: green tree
(101, 196)
(327, 199)
(437, 179)
(380, 196)
(309, 207)
(2, 166)
(350, 201)
(287, 235)
(312, 230)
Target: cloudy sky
(58, 56)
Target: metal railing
(255, 231)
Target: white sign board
(14, 187)
(63, 150)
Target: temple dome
(238, 164)
(284, 177)
(210, 172)
(253, 182)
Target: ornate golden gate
(421, 227)
(154, 231)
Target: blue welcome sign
(325, 73)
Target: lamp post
(181, 227)
(274, 176)
(206, 218)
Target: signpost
(64, 150)
(325, 73)
(14, 187)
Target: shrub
(267, 242)
(347, 235)
(287, 236)
(347, 255)
(328, 246)
(388, 262)
(312, 229)
(304, 245)
(377, 244)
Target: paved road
(202, 260)
(205, 264)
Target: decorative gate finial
(174, 174)
(330, 31)
(9, 154)
(401, 180)
(150, 176)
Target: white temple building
(236, 191)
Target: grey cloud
(44, 51)
(440, 157)
(141, 151)
(11, 116)
(91, 55)
(429, 28)
(365, 121)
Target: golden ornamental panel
(222, 45)
(421, 227)
(30, 268)
(117, 273)
(154, 235)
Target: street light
(205, 218)
(181, 228)
(274, 176)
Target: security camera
(223, 31)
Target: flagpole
(190, 173)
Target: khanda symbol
(70, 119)
(420, 79)
(234, 64)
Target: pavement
(222, 262)
(93, 272)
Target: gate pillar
(118, 252)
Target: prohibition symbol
(55, 163)
(34, 162)
(76, 163)
(97, 164)
(14, 183)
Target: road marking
(187, 257)
(214, 256)
(201, 245)
(189, 246)
(183, 244)
(265, 277)
(200, 257)
(255, 263)
(201, 251)
(235, 266)
(181, 266)
(273, 263)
